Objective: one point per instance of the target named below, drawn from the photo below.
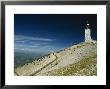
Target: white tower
(88, 34)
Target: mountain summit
(78, 60)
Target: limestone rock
(58, 62)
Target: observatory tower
(88, 33)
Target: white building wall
(88, 35)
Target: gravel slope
(80, 59)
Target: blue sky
(43, 33)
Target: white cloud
(25, 38)
(19, 41)
(33, 44)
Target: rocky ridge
(78, 60)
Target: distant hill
(77, 60)
(21, 58)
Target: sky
(41, 33)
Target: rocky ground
(77, 60)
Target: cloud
(38, 49)
(19, 41)
(26, 38)
(33, 44)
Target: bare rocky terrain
(77, 60)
